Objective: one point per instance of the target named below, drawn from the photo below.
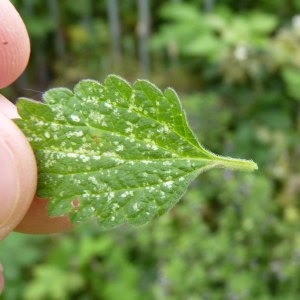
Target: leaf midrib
(127, 161)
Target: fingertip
(14, 44)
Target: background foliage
(236, 66)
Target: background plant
(233, 236)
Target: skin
(20, 209)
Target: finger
(37, 220)
(18, 173)
(14, 44)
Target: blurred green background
(236, 67)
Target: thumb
(18, 174)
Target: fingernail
(9, 184)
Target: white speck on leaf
(168, 184)
(115, 206)
(120, 148)
(84, 158)
(108, 105)
(135, 206)
(75, 118)
(93, 180)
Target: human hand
(20, 210)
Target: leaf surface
(125, 153)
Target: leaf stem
(235, 163)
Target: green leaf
(126, 153)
